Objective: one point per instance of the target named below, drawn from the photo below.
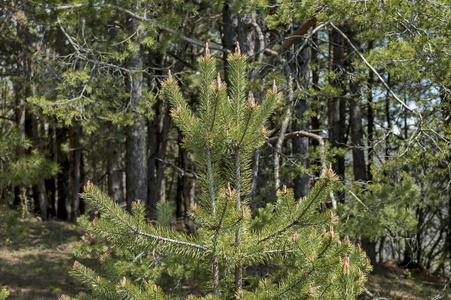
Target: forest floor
(35, 259)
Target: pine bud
(360, 272)
(179, 109)
(332, 215)
(98, 279)
(237, 49)
(93, 223)
(170, 79)
(123, 281)
(347, 240)
(88, 186)
(252, 101)
(324, 229)
(331, 232)
(76, 264)
(359, 248)
(310, 289)
(218, 82)
(155, 288)
(346, 268)
(295, 236)
(274, 87)
(284, 189)
(263, 130)
(229, 190)
(207, 51)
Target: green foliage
(4, 294)
(290, 236)
(381, 208)
(22, 169)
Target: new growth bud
(88, 186)
(170, 79)
(346, 265)
(218, 82)
(207, 51)
(237, 49)
(252, 103)
(228, 190)
(123, 281)
(274, 87)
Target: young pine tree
(282, 251)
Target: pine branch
(374, 71)
(144, 19)
(111, 209)
(323, 185)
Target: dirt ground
(34, 263)
(36, 258)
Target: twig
(374, 70)
(144, 19)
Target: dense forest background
(365, 84)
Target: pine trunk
(337, 104)
(115, 186)
(75, 174)
(136, 168)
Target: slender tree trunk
(136, 168)
(337, 104)
(370, 120)
(75, 174)
(22, 91)
(152, 168)
(115, 187)
(301, 145)
(183, 187)
(158, 132)
(41, 193)
(50, 184)
(63, 205)
(358, 155)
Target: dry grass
(34, 263)
(393, 282)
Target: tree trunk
(136, 168)
(115, 187)
(63, 205)
(337, 104)
(40, 190)
(75, 174)
(50, 184)
(301, 144)
(358, 156)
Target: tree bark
(50, 184)
(337, 104)
(136, 168)
(301, 145)
(358, 156)
(75, 174)
(63, 205)
(115, 187)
